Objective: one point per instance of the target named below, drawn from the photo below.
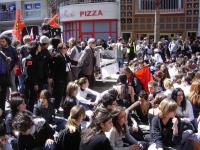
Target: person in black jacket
(70, 137)
(94, 138)
(70, 100)
(46, 28)
(166, 129)
(44, 75)
(133, 81)
(31, 69)
(45, 108)
(61, 73)
(33, 133)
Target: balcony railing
(7, 15)
(69, 2)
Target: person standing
(75, 55)
(61, 73)
(87, 61)
(11, 56)
(46, 28)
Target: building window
(165, 4)
(189, 12)
(129, 20)
(129, 14)
(123, 20)
(196, 12)
(129, 7)
(32, 9)
(123, 14)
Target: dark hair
(122, 79)
(5, 37)
(174, 97)
(143, 94)
(113, 92)
(33, 47)
(124, 87)
(108, 99)
(94, 128)
(22, 122)
(15, 100)
(120, 129)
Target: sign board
(89, 11)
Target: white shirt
(187, 114)
(82, 95)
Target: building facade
(83, 19)
(32, 12)
(178, 17)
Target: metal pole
(198, 33)
(157, 21)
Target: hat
(44, 40)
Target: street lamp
(157, 21)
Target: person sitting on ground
(33, 133)
(120, 136)
(93, 137)
(17, 104)
(85, 94)
(165, 128)
(44, 108)
(168, 85)
(70, 137)
(184, 109)
(141, 108)
(125, 91)
(70, 100)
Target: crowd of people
(48, 87)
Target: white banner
(89, 11)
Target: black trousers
(58, 92)
(3, 93)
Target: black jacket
(69, 141)
(29, 142)
(162, 135)
(98, 142)
(11, 52)
(59, 67)
(68, 104)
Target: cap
(44, 40)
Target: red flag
(18, 26)
(144, 75)
(52, 21)
(31, 35)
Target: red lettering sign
(91, 13)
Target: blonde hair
(166, 106)
(71, 87)
(81, 81)
(26, 39)
(168, 84)
(194, 95)
(75, 114)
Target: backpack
(3, 64)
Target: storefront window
(101, 27)
(87, 26)
(32, 9)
